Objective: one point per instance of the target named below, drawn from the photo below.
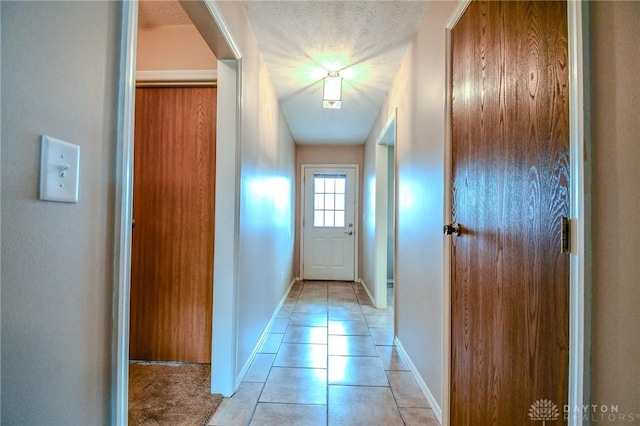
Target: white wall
(418, 92)
(59, 77)
(266, 193)
(615, 127)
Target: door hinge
(565, 246)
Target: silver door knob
(349, 232)
(452, 229)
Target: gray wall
(59, 77)
(615, 126)
(418, 93)
(266, 194)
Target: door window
(329, 192)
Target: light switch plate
(59, 170)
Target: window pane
(329, 201)
(328, 218)
(330, 184)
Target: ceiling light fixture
(332, 91)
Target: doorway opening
(329, 249)
(209, 22)
(171, 290)
(385, 215)
(173, 197)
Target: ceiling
(154, 13)
(302, 40)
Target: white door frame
(579, 281)
(356, 226)
(386, 138)
(204, 13)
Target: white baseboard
(437, 410)
(361, 281)
(264, 334)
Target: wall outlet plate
(59, 170)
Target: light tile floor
(329, 359)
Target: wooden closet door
(510, 153)
(173, 209)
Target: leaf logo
(543, 409)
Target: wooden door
(510, 333)
(173, 208)
(329, 230)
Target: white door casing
(329, 228)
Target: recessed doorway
(385, 215)
(329, 226)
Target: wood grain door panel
(510, 189)
(172, 253)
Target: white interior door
(329, 227)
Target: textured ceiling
(302, 40)
(153, 13)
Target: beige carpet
(170, 394)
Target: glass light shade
(332, 92)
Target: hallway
(330, 359)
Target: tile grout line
(326, 419)
(312, 292)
